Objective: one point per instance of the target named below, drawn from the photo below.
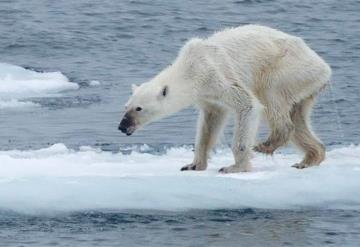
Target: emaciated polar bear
(244, 71)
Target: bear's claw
(188, 167)
(299, 166)
(234, 169)
(193, 167)
(302, 165)
(223, 170)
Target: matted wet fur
(246, 72)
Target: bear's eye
(138, 108)
(165, 91)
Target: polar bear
(249, 72)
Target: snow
(15, 104)
(94, 83)
(58, 178)
(18, 84)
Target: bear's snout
(127, 125)
(122, 128)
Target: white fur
(239, 71)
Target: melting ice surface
(17, 84)
(57, 178)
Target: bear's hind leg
(281, 127)
(303, 137)
(210, 123)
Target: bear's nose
(122, 128)
(125, 123)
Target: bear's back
(248, 34)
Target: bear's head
(153, 100)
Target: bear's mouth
(127, 130)
(130, 130)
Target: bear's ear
(134, 87)
(164, 91)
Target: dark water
(123, 42)
(245, 227)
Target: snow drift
(57, 178)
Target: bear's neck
(180, 87)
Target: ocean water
(69, 178)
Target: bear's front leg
(210, 122)
(247, 115)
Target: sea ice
(58, 178)
(17, 83)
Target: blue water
(245, 227)
(123, 42)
